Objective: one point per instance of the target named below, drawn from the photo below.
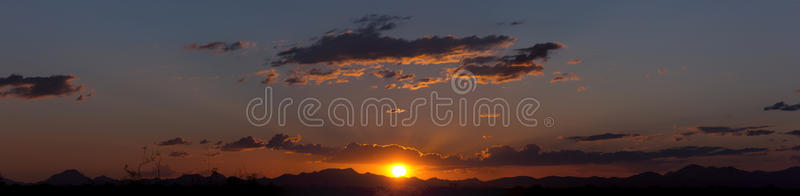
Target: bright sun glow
(399, 171)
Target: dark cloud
(795, 133)
(176, 141)
(783, 107)
(759, 132)
(245, 144)
(493, 156)
(284, 142)
(533, 155)
(366, 45)
(495, 70)
(785, 148)
(600, 137)
(179, 154)
(38, 87)
(220, 47)
(729, 131)
(204, 141)
(375, 22)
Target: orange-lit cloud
(574, 61)
(490, 115)
(421, 83)
(318, 76)
(269, 75)
(395, 111)
(561, 77)
(395, 74)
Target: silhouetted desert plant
(154, 157)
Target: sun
(399, 171)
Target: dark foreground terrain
(275, 190)
(691, 179)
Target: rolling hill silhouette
(689, 176)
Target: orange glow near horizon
(399, 170)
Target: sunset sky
(631, 86)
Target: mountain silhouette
(68, 178)
(689, 176)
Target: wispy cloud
(602, 137)
(220, 47)
(175, 141)
(783, 107)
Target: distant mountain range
(689, 176)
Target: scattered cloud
(284, 142)
(662, 70)
(220, 47)
(583, 88)
(496, 70)
(602, 137)
(729, 131)
(176, 141)
(574, 61)
(785, 148)
(533, 155)
(783, 107)
(245, 144)
(561, 77)
(179, 154)
(38, 87)
(529, 155)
